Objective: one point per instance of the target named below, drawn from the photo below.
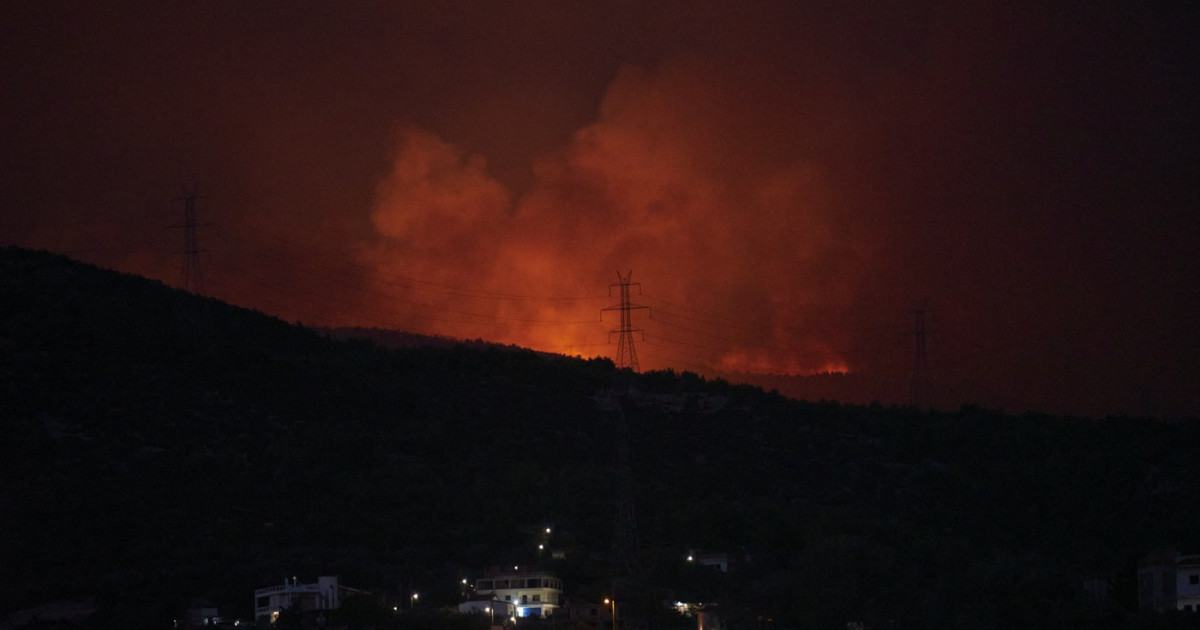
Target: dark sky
(788, 181)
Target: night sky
(787, 181)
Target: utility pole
(626, 353)
(920, 391)
(192, 278)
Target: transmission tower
(920, 391)
(192, 278)
(626, 353)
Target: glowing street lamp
(413, 600)
(613, 603)
(491, 615)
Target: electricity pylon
(626, 353)
(920, 391)
(192, 278)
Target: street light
(613, 603)
(491, 616)
(413, 600)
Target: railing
(291, 588)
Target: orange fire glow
(649, 186)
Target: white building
(533, 593)
(497, 611)
(1168, 580)
(718, 560)
(325, 594)
(1187, 582)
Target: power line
(410, 282)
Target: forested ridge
(161, 446)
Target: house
(324, 594)
(1187, 582)
(1168, 580)
(494, 609)
(533, 593)
(586, 615)
(719, 561)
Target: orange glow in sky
(786, 180)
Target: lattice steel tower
(920, 391)
(626, 353)
(192, 278)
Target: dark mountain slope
(161, 446)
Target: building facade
(270, 601)
(497, 611)
(1187, 582)
(532, 593)
(1168, 580)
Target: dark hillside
(161, 446)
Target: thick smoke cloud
(672, 182)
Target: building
(324, 594)
(497, 611)
(586, 616)
(1187, 582)
(533, 593)
(720, 561)
(1168, 580)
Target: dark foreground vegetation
(160, 447)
